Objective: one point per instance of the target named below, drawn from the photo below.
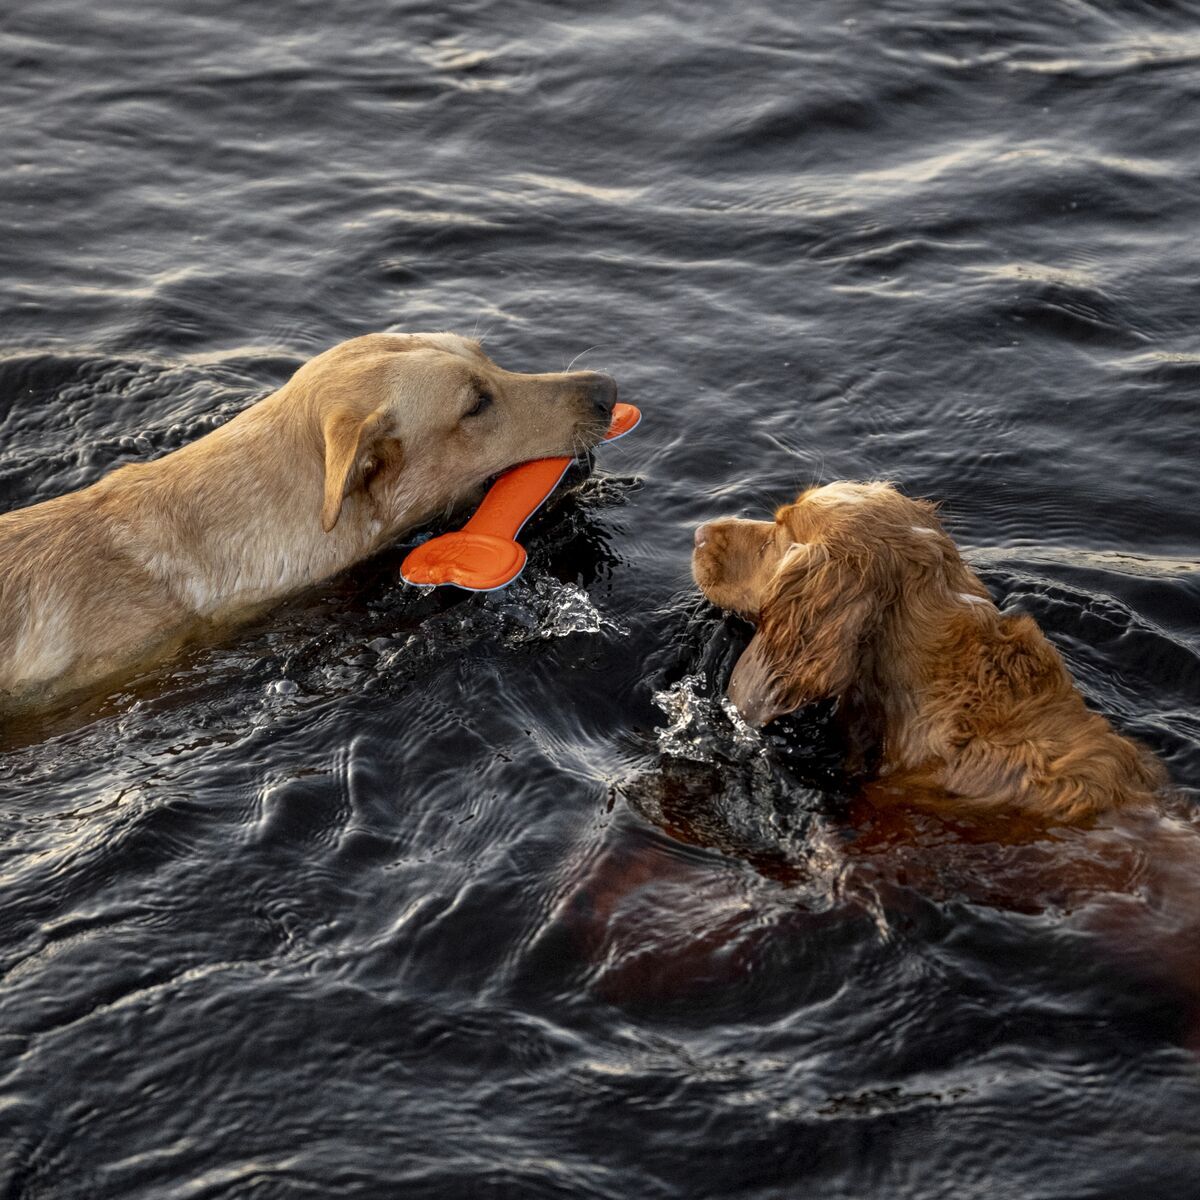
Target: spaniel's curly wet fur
(858, 593)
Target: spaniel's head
(849, 572)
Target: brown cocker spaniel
(857, 593)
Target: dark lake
(435, 895)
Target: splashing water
(704, 728)
(545, 607)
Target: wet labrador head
(418, 422)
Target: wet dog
(857, 593)
(994, 787)
(369, 439)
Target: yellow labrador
(371, 438)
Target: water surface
(431, 895)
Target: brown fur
(857, 593)
(371, 438)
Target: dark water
(402, 895)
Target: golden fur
(371, 438)
(858, 593)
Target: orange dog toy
(484, 554)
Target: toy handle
(485, 554)
(522, 490)
(510, 501)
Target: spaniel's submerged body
(371, 438)
(858, 593)
(984, 755)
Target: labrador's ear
(357, 450)
(807, 646)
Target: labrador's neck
(234, 520)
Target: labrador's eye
(485, 401)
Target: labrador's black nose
(601, 390)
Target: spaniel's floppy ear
(806, 646)
(357, 449)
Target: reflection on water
(398, 892)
